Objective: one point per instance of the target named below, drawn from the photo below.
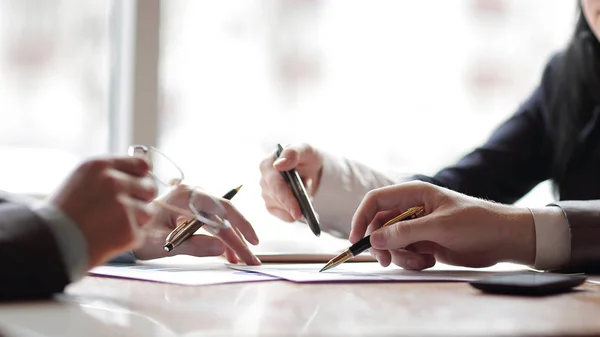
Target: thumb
(401, 196)
(404, 233)
(288, 160)
(295, 155)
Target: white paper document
(373, 272)
(183, 270)
(290, 251)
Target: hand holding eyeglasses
(228, 239)
(181, 202)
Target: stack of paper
(187, 270)
(373, 272)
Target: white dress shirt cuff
(552, 238)
(68, 236)
(329, 201)
(342, 186)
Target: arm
(517, 156)
(30, 257)
(584, 229)
(343, 185)
(41, 245)
(552, 238)
(70, 240)
(336, 185)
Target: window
(239, 76)
(54, 66)
(391, 83)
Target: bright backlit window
(54, 69)
(406, 86)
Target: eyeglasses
(167, 176)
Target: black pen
(365, 243)
(186, 229)
(293, 179)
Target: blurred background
(406, 86)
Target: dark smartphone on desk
(530, 283)
(293, 179)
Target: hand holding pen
(365, 243)
(229, 239)
(187, 228)
(454, 229)
(277, 193)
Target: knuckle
(111, 183)
(280, 188)
(182, 189)
(266, 164)
(400, 230)
(226, 203)
(403, 232)
(370, 196)
(152, 190)
(441, 196)
(291, 155)
(122, 205)
(266, 197)
(307, 149)
(140, 162)
(92, 165)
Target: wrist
(517, 235)
(316, 180)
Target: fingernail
(413, 264)
(279, 161)
(377, 240)
(376, 256)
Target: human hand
(107, 198)
(276, 192)
(455, 229)
(228, 240)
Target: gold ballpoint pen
(365, 242)
(186, 229)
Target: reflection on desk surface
(116, 307)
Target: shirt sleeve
(126, 258)
(342, 187)
(68, 236)
(552, 238)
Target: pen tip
(239, 187)
(168, 247)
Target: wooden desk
(113, 307)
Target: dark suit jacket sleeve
(516, 157)
(30, 258)
(584, 226)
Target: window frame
(134, 76)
